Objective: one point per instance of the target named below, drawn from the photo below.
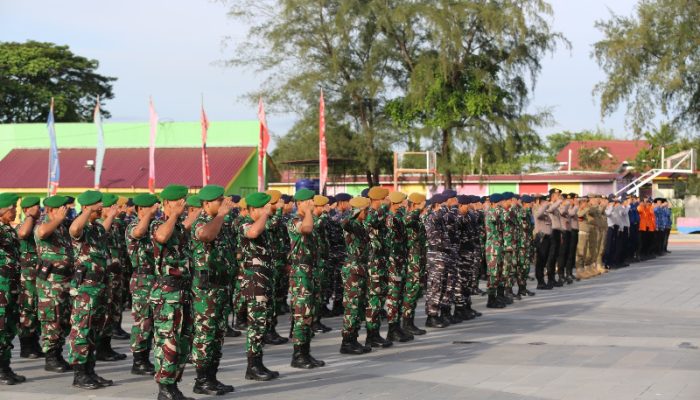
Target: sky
(171, 50)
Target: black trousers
(571, 256)
(610, 243)
(645, 243)
(553, 253)
(542, 243)
(621, 246)
(633, 242)
(563, 256)
(667, 233)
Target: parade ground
(631, 334)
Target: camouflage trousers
(255, 288)
(115, 301)
(437, 274)
(334, 289)
(142, 312)
(451, 280)
(494, 268)
(28, 301)
(395, 283)
(475, 267)
(375, 286)
(354, 294)
(462, 294)
(412, 285)
(54, 309)
(274, 306)
(525, 255)
(509, 268)
(172, 323)
(320, 277)
(583, 253)
(87, 319)
(282, 287)
(209, 326)
(9, 316)
(302, 302)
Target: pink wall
(473, 189)
(597, 188)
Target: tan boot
(581, 273)
(592, 270)
(601, 269)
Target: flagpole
(48, 174)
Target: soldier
(511, 227)
(553, 212)
(170, 296)
(28, 330)
(573, 241)
(593, 234)
(438, 248)
(396, 242)
(282, 289)
(9, 286)
(303, 259)
(113, 307)
(415, 267)
(210, 282)
(140, 250)
(494, 250)
(278, 236)
(121, 221)
(467, 238)
(89, 288)
(336, 242)
(526, 246)
(376, 274)
(632, 252)
(231, 222)
(543, 237)
(56, 260)
(564, 223)
(320, 273)
(354, 275)
(449, 288)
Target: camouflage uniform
(375, 226)
(170, 298)
(494, 246)
(256, 272)
(337, 252)
(438, 249)
(282, 288)
(465, 260)
(415, 267)
(511, 226)
(476, 225)
(321, 271)
(142, 280)
(278, 236)
(9, 288)
(53, 285)
(396, 245)
(88, 291)
(449, 287)
(230, 229)
(28, 298)
(210, 282)
(115, 243)
(303, 260)
(525, 245)
(354, 276)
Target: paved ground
(632, 334)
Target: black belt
(206, 279)
(173, 281)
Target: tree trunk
(369, 178)
(446, 156)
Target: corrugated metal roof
(123, 168)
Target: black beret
(463, 199)
(342, 197)
(331, 199)
(365, 192)
(449, 193)
(235, 198)
(71, 200)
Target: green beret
(145, 200)
(258, 199)
(29, 201)
(173, 192)
(211, 192)
(304, 194)
(109, 199)
(8, 199)
(55, 201)
(89, 197)
(194, 201)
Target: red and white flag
(205, 158)
(262, 147)
(322, 156)
(153, 119)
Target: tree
(652, 63)
(304, 46)
(557, 141)
(594, 158)
(33, 72)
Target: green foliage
(595, 158)
(652, 63)
(557, 141)
(33, 72)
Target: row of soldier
(189, 262)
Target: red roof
(123, 168)
(618, 151)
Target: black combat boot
(350, 345)
(273, 338)
(142, 365)
(100, 380)
(28, 349)
(410, 327)
(105, 351)
(493, 302)
(256, 370)
(464, 313)
(8, 376)
(374, 339)
(119, 333)
(306, 348)
(230, 332)
(319, 327)
(83, 380)
(433, 321)
(455, 318)
(241, 320)
(501, 297)
(214, 370)
(396, 334)
(515, 296)
(473, 311)
(325, 312)
(170, 392)
(203, 384)
(338, 309)
(300, 359)
(37, 346)
(55, 362)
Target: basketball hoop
(414, 162)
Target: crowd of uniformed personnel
(184, 263)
